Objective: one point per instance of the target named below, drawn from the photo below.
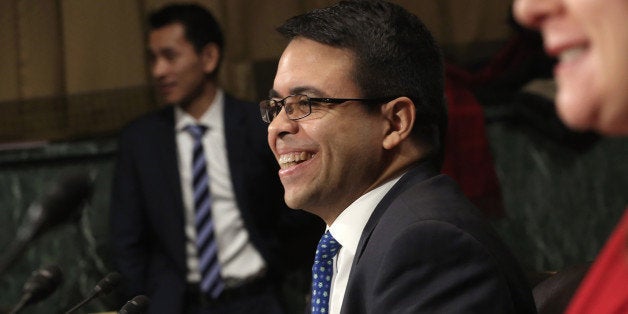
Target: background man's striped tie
(211, 282)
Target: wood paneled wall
(77, 68)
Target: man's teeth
(570, 54)
(294, 158)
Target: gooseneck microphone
(138, 305)
(40, 285)
(63, 203)
(104, 287)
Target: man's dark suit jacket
(147, 215)
(425, 249)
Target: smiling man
(356, 119)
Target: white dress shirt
(347, 230)
(239, 259)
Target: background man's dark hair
(201, 28)
(396, 55)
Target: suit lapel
(416, 174)
(172, 210)
(235, 138)
(168, 154)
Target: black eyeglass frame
(266, 109)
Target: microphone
(60, 205)
(39, 286)
(104, 287)
(138, 305)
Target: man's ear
(210, 55)
(400, 116)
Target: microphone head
(42, 283)
(61, 204)
(107, 284)
(138, 305)
(64, 201)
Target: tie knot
(197, 130)
(327, 247)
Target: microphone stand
(18, 307)
(14, 251)
(76, 307)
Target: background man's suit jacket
(147, 215)
(426, 250)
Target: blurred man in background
(197, 217)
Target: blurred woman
(590, 40)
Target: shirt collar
(347, 228)
(212, 118)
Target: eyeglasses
(300, 106)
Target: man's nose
(281, 125)
(159, 68)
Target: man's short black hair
(396, 55)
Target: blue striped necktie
(211, 282)
(322, 272)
